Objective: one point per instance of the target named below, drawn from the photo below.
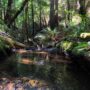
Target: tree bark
(26, 23)
(8, 11)
(82, 9)
(32, 7)
(52, 14)
(18, 12)
(0, 9)
(40, 15)
(68, 7)
(56, 13)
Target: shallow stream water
(36, 72)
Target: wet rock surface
(23, 83)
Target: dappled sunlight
(76, 19)
(44, 44)
(23, 83)
(21, 51)
(26, 61)
(38, 83)
(88, 12)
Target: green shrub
(3, 45)
(80, 49)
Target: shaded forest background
(24, 19)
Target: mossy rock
(6, 41)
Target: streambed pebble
(23, 84)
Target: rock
(40, 63)
(25, 79)
(27, 86)
(88, 43)
(23, 83)
(33, 83)
(85, 35)
(9, 86)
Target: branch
(18, 12)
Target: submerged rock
(18, 84)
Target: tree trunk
(0, 9)
(56, 13)
(18, 12)
(8, 11)
(26, 23)
(82, 9)
(40, 15)
(68, 7)
(32, 7)
(52, 14)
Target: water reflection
(62, 75)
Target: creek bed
(34, 71)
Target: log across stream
(27, 69)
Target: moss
(80, 49)
(3, 46)
(67, 45)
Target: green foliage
(76, 30)
(3, 45)
(46, 36)
(48, 32)
(80, 49)
(66, 45)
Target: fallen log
(12, 43)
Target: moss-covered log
(11, 43)
(6, 45)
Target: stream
(33, 71)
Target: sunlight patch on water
(26, 61)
